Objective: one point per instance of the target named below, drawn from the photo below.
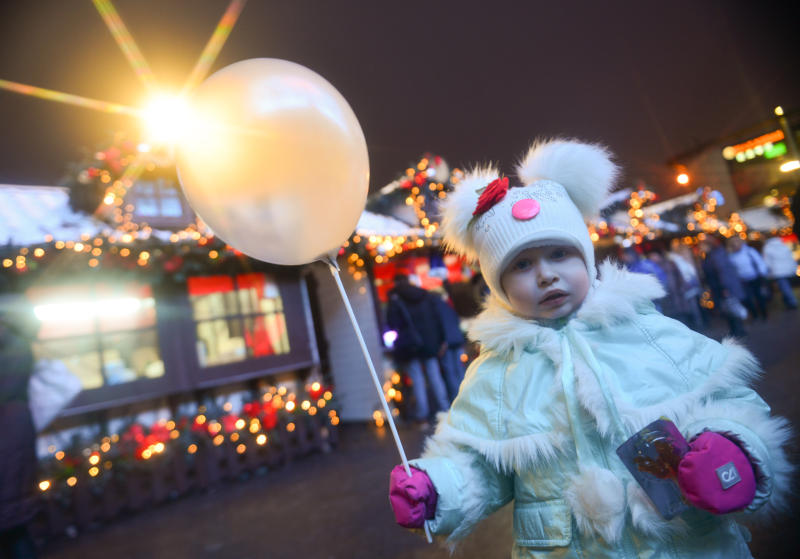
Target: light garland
(139, 445)
(420, 188)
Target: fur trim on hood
(617, 296)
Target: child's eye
(522, 264)
(558, 253)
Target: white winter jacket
(542, 410)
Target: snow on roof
(378, 224)
(762, 218)
(29, 213)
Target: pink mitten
(413, 498)
(716, 475)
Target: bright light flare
(683, 178)
(167, 119)
(790, 166)
(65, 312)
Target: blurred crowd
(726, 277)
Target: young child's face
(546, 282)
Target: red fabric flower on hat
(494, 192)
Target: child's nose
(545, 275)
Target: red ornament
(173, 264)
(160, 432)
(229, 422)
(270, 419)
(316, 391)
(406, 183)
(200, 425)
(134, 433)
(494, 192)
(251, 409)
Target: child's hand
(716, 475)
(413, 498)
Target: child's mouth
(553, 299)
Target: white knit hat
(564, 184)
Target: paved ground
(335, 505)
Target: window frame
(161, 221)
(177, 338)
(300, 354)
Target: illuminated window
(158, 202)
(237, 318)
(105, 335)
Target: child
(574, 361)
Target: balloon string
(335, 273)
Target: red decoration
(229, 422)
(173, 264)
(251, 409)
(494, 192)
(160, 432)
(270, 419)
(200, 426)
(316, 394)
(134, 433)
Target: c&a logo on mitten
(728, 475)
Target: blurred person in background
(723, 281)
(781, 267)
(18, 502)
(681, 256)
(639, 264)
(412, 313)
(674, 303)
(752, 270)
(450, 354)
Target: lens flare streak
(52, 95)
(215, 44)
(125, 41)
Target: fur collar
(617, 296)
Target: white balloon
(276, 162)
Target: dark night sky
(471, 81)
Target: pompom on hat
(564, 184)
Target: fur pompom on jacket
(543, 408)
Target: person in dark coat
(722, 279)
(451, 364)
(412, 313)
(18, 443)
(674, 304)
